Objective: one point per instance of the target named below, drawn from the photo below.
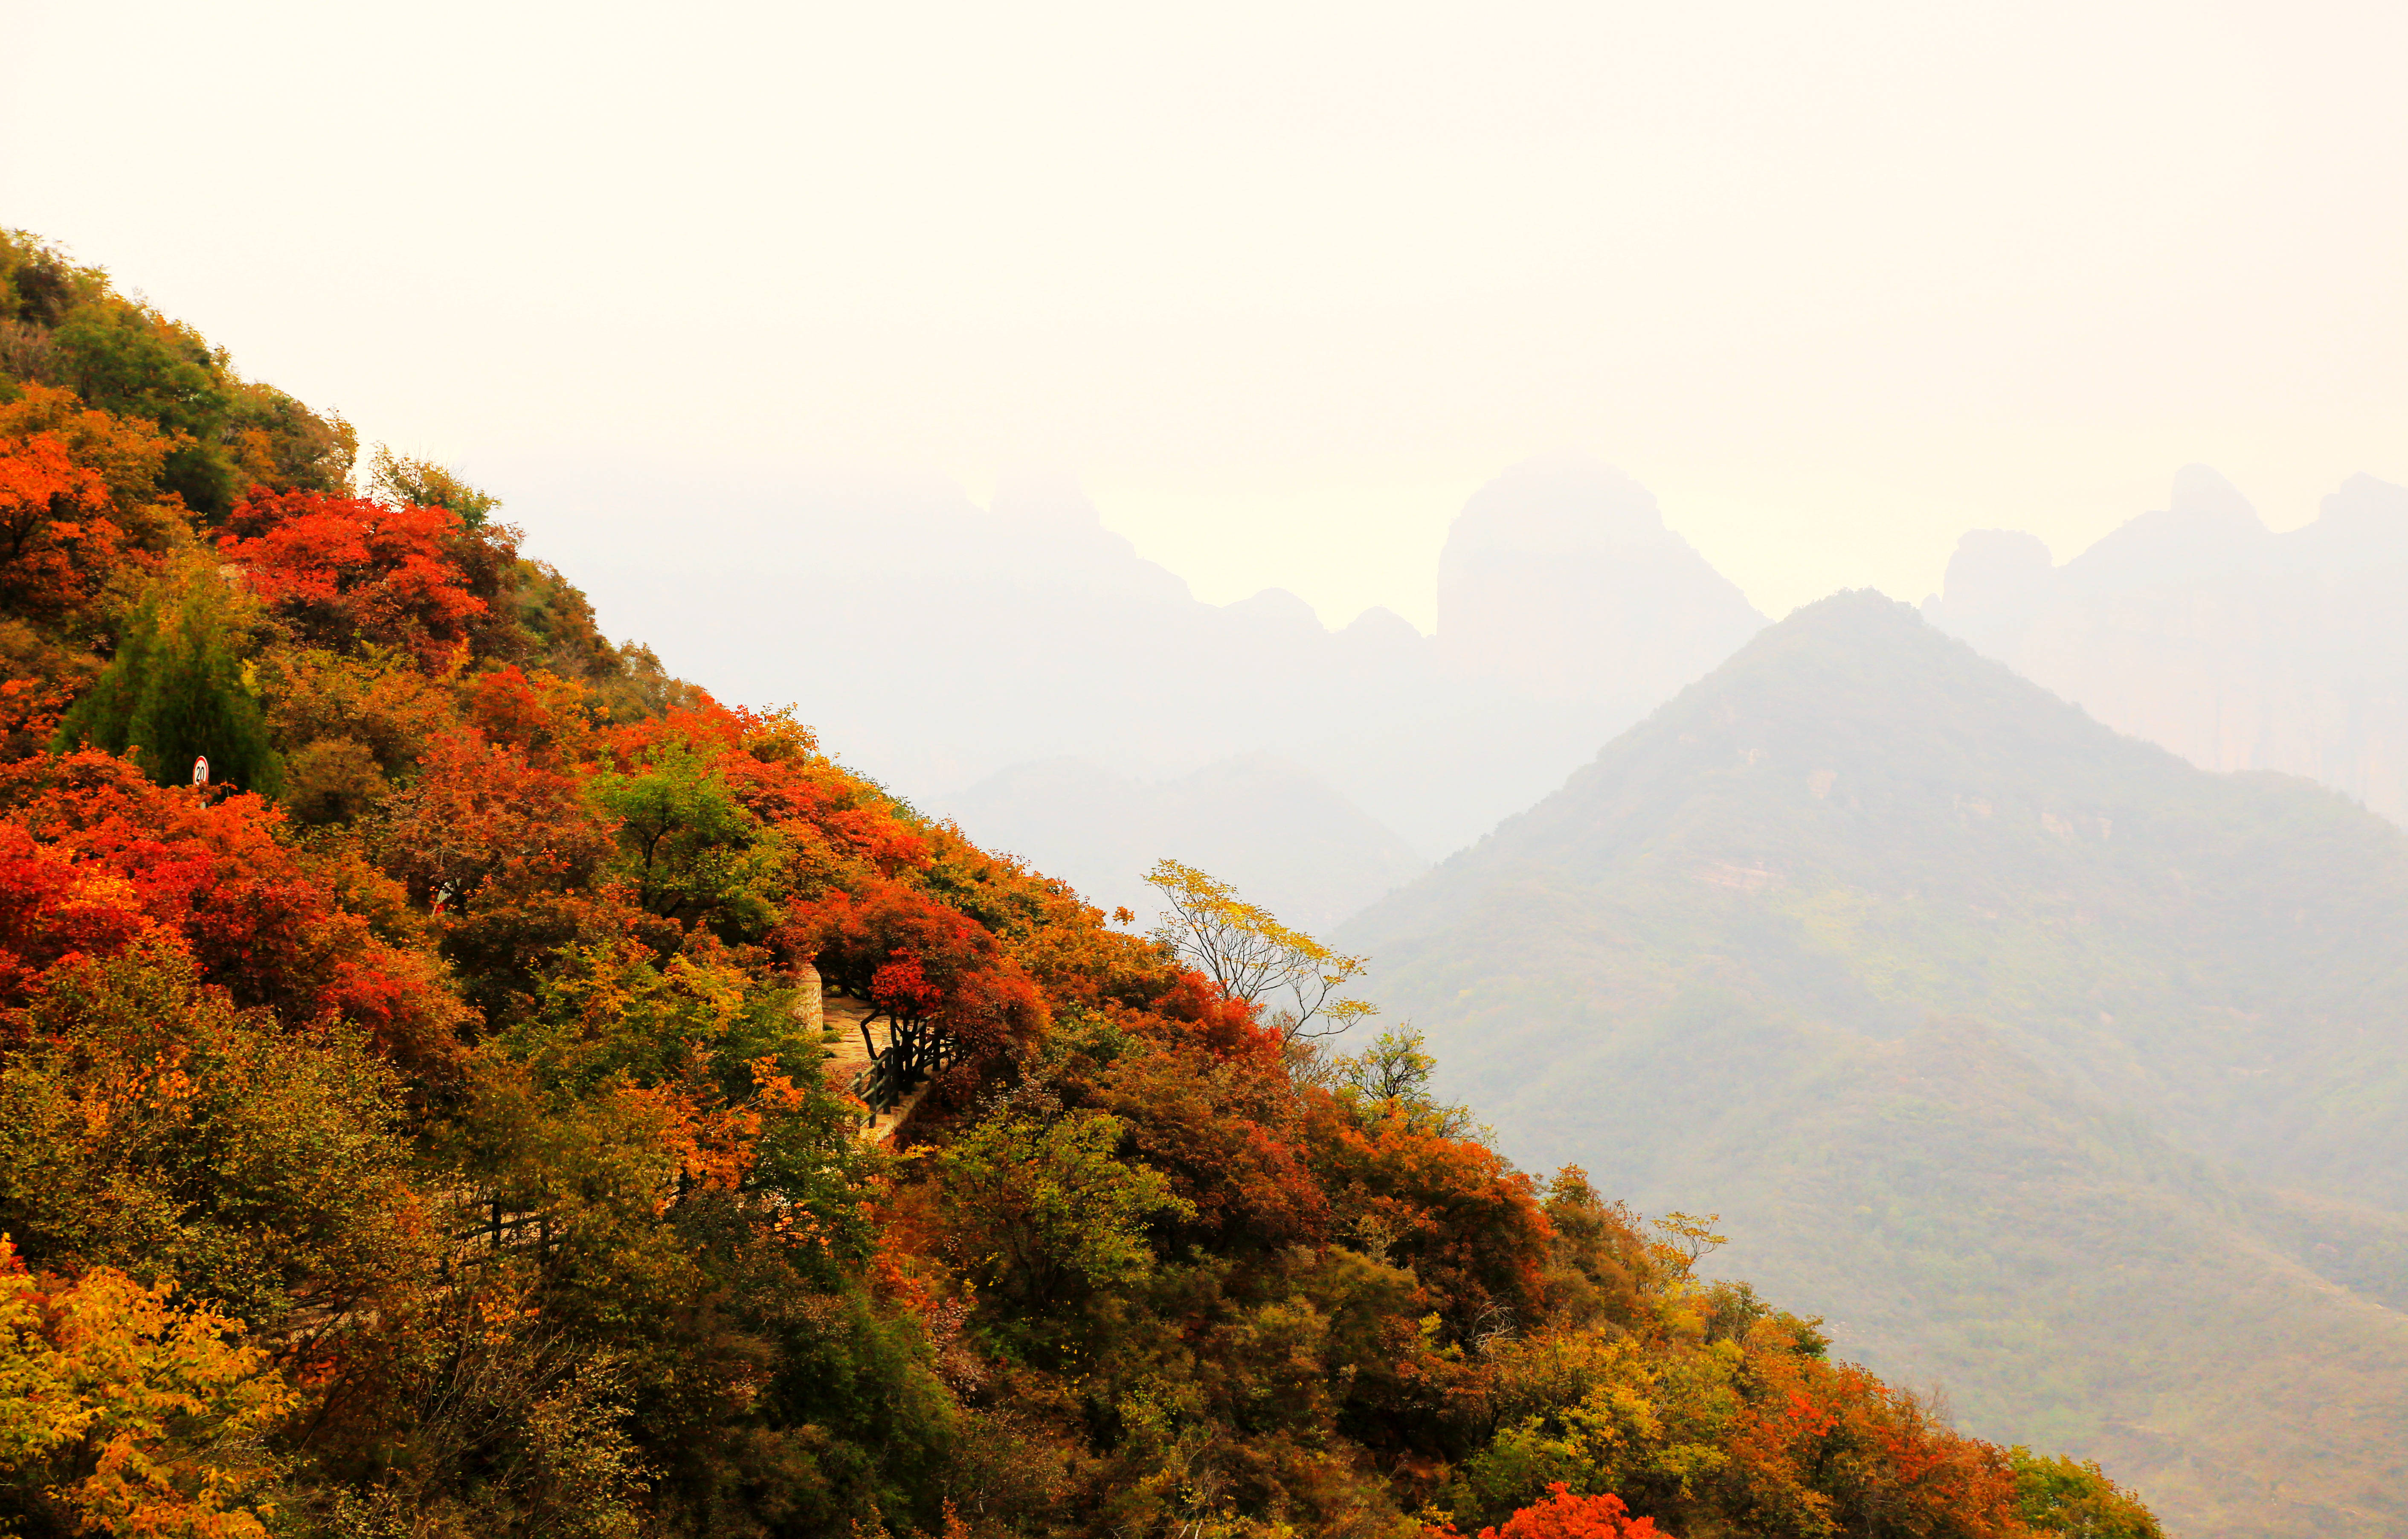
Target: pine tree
(176, 690)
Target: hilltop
(2047, 1065)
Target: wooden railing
(914, 1050)
(502, 1230)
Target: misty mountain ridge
(2198, 627)
(949, 644)
(1560, 580)
(2047, 1065)
(978, 660)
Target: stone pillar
(809, 1006)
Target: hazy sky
(1281, 284)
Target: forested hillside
(2047, 1065)
(421, 1128)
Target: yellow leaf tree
(1254, 957)
(122, 1414)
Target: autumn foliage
(1564, 1516)
(122, 1413)
(343, 571)
(94, 856)
(436, 1142)
(77, 505)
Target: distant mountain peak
(1850, 609)
(2201, 629)
(1561, 577)
(1556, 505)
(1381, 629)
(1276, 608)
(2199, 491)
(1380, 620)
(2364, 506)
(1998, 580)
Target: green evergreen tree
(176, 690)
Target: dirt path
(849, 1055)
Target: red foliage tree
(506, 853)
(1469, 1224)
(1564, 1516)
(77, 501)
(92, 855)
(57, 542)
(901, 988)
(919, 960)
(774, 768)
(1226, 1132)
(1892, 1465)
(340, 570)
(54, 909)
(1194, 1011)
(506, 705)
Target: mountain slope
(1990, 1030)
(451, 1144)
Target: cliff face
(2197, 628)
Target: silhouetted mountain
(2199, 629)
(2045, 1063)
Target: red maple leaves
(341, 570)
